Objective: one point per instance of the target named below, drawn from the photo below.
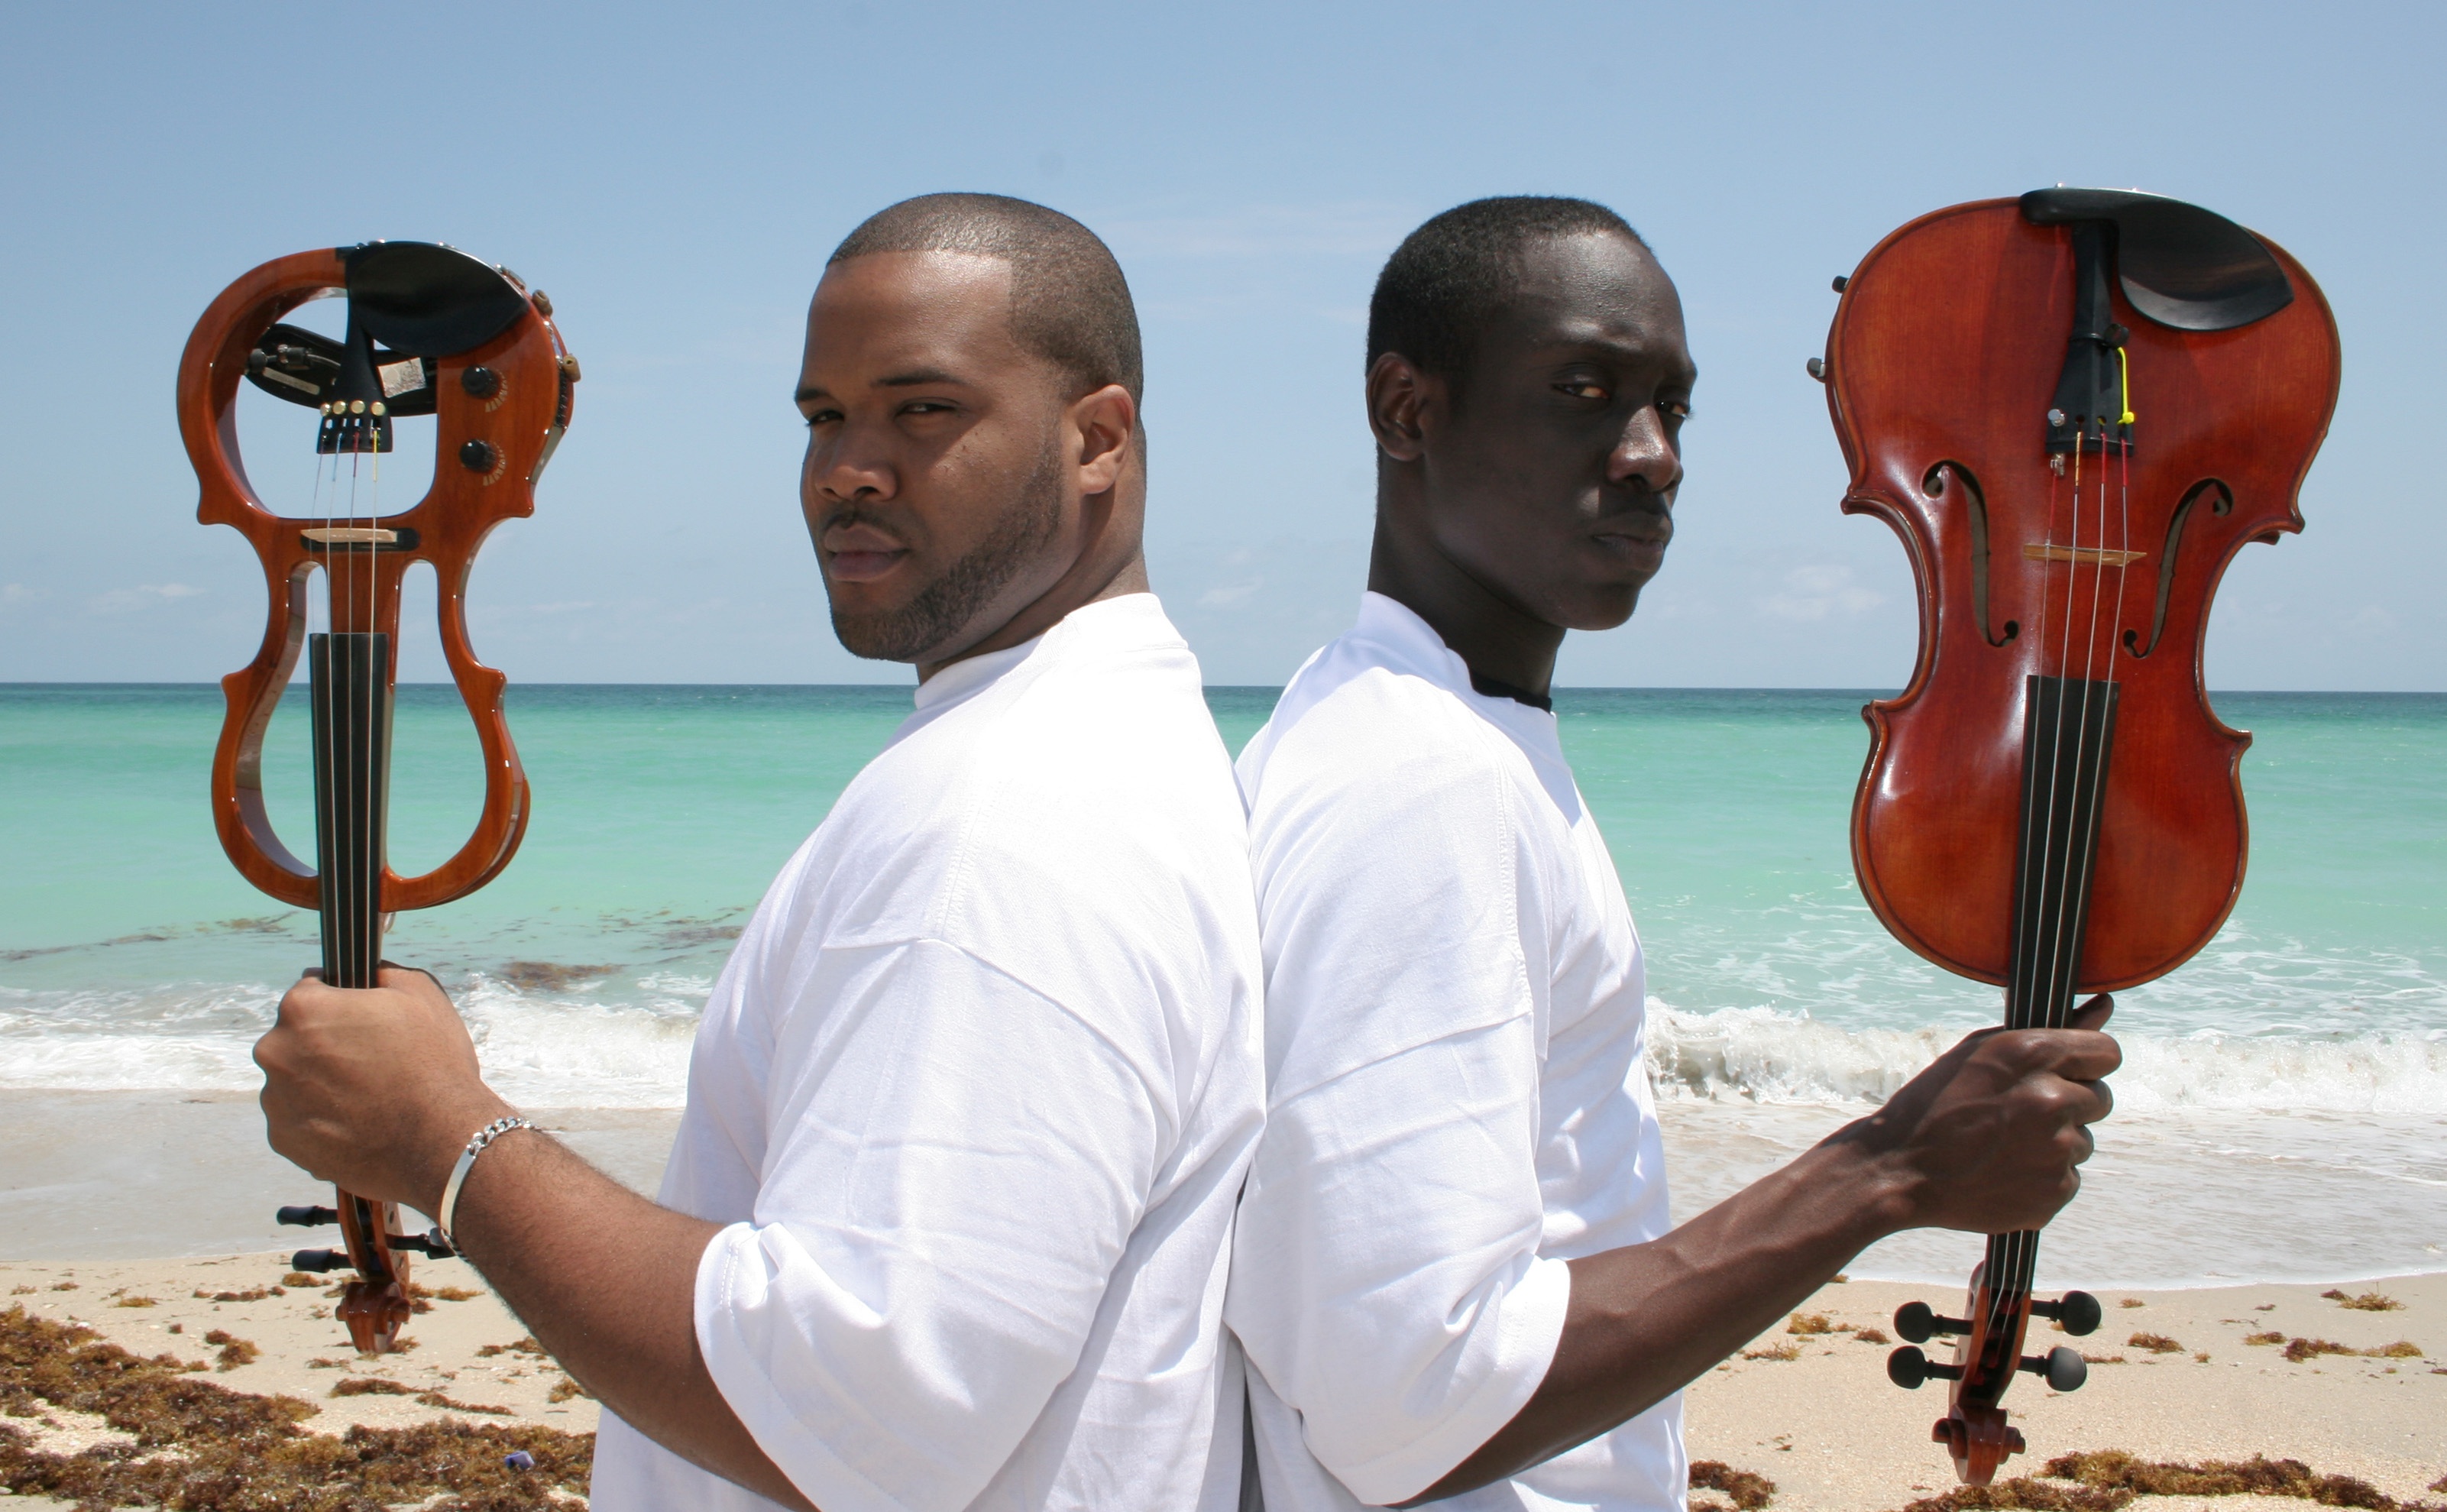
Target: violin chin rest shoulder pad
(2184, 267)
(428, 300)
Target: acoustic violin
(430, 331)
(2073, 408)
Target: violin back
(1940, 369)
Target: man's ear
(1105, 421)
(1398, 396)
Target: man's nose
(852, 462)
(1644, 458)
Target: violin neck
(2067, 730)
(352, 702)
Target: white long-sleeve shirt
(1457, 1105)
(974, 1096)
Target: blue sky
(674, 177)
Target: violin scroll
(1987, 1355)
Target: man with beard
(946, 1222)
(1454, 1275)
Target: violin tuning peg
(1840, 282)
(1816, 368)
(319, 1262)
(2064, 1370)
(1917, 1323)
(2079, 1311)
(1907, 1368)
(306, 1217)
(431, 1244)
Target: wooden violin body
(1943, 361)
(430, 330)
(517, 422)
(2074, 409)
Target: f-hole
(2221, 503)
(1976, 507)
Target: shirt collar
(1128, 619)
(1418, 650)
(1407, 644)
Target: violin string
(2026, 950)
(327, 862)
(349, 922)
(2106, 671)
(2046, 947)
(2055, 861)
(2086, 794)
(369, 971)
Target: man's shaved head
(1069, 304)
(1456, 272)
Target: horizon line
(1276, 687)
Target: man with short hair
(1454, 1275)
(947, 1218)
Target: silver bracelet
(459, 1172)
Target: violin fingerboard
(2068, 730)
(351, 695)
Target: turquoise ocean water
(2301, 1059)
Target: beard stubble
(946, 606)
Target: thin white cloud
(144, 596)
(1826, 592)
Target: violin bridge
(350, 536)
(2087, 556)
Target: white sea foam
(540, 1048)
(1761, 1055)
(626, 1044)
(570, 1051)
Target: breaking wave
(1761, 1055)
(625, 1047)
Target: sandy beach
(1809, 1410)
(2175, 1379)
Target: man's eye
(1586, 389)
(823, 417)
(1675, 409)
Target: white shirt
(975, 1094)
(1455, 1100)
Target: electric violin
(2073, 408)
(430, 330)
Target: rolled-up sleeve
(1386, 1277)
(955, 1162)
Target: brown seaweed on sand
(2368, 1302)
(2106, 1480)
(2300, 1349)
(203, 1447)
(1749, 1491)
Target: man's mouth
(857, 552)
(1639, 545)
